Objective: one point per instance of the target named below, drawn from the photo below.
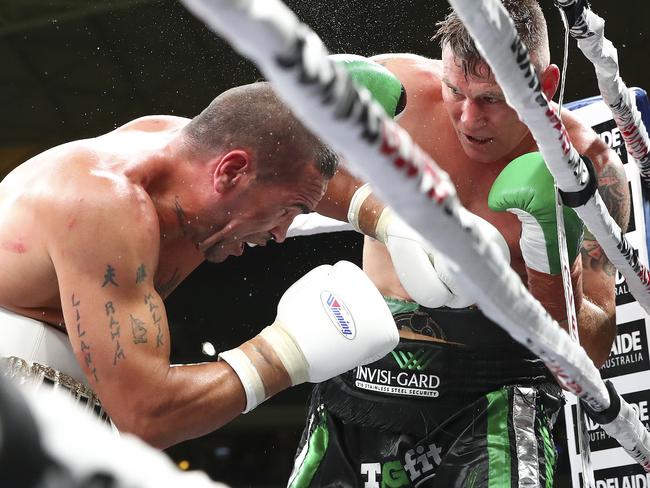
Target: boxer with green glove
(525, 188)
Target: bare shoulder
(97, 205)
(588, 143)
(411, 65)
(418, 74)
(154, 123)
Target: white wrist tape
(288, 351)
(382, 224)
(248, 375)
(355, 205)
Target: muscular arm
(117, 325)
(597, 316)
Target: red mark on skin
(16, 247)
(71, 223)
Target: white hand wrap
(248, 375)
(288, 352)
(356, 202)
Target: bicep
(612, 181)
(117, 326)
(115, 319)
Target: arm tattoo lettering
(84, 346)
(139, 330)
(109, 276)
(156, 316)
(114, 328)
(140, 274)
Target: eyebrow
(488, 93)
(446, 81)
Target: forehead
(306, 180)
(456, 71)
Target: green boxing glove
(382, 84)
(525, 187)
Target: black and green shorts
(475, 411)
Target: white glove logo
(338, 314)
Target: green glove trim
(525, 187)
(382, 84)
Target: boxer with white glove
(427, 275)
(328, 322)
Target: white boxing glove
(428, 276)
(328, 322)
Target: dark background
(72, 69)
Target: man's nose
(471, 114)
(279, 232)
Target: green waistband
(396, 305)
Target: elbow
(601, 347)
(144, 421)
(599, 357)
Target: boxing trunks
(470, 407)
(34, 353)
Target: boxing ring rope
(323, 96)
(589, 31)
(497, 40)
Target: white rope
(572, 320)
(496, 38)
(376, 148)
(380, 152)
(589, 31)
(572, 325)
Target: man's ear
(230, 169)
(550, 80)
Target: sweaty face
(487, 128)
(263, 212)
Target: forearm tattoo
(612, 187)
(595, 259)
(81, 335)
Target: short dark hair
(253, 117)
(529, 21)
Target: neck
(168, 180)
